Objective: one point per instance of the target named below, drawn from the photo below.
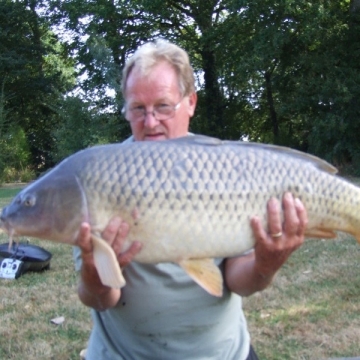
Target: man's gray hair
(150, 54)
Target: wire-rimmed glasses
(161, 112)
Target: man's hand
(273, 248)
(115, 235)
(255, 271)
(91, 291)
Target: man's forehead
(160, 84)
(140, 71)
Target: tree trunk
(213, 98)
(203, 15)
(270, 100)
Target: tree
(36, 69)
(278, 72)
(82, 125)
(337, 71)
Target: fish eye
(29, 200)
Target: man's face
(159, 87)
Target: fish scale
(187, 200)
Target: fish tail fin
(106, 263)
(330, 234)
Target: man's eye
(137, 108)
(163, 106)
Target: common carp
(188, 200)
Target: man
(161, 313)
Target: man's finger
(121, 234)
(83, 240)
(110, 232)
(274, 218)
(302, 215)
(126, 257)
(291, 220)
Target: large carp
(187, 200)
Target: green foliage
(36, 69)
(14, 149)
(82, 125)
(18, 175)
(262, 65)
(281, 72)
(15, 155)
(104, 33)
(3, 128)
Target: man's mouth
(156, 136)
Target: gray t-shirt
(164, 314)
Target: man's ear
(192, 101)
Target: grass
(28, 304)
(311, 311)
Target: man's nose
(150, 120)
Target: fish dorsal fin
(211, 141)
(316, 161)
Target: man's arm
(248, 274)
(91, 291)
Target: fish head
(51, 208)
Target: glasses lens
(134, 114)
(161, 112)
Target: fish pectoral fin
(205, 273)
(320, 233)
(106, 263)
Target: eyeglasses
(160, 112)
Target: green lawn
(29, 303)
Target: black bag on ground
(21, 258)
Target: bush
(14, 156)
(12, 175)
